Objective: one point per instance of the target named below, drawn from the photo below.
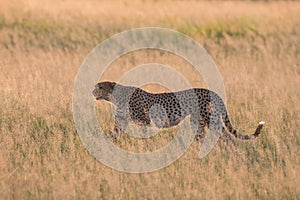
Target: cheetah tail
(239, 135)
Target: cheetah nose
(94, 92)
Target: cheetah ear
(113, 84)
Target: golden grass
(255, 45)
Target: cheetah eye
(100, 87)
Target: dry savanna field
(256, 46)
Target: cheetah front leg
(121, 122)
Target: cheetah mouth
(101, 97)
(97, 97)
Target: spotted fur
(205, 107)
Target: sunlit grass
(42, 46)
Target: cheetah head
(104, 90)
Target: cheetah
(205, 107)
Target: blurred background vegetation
(256, 45)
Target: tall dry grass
(42, 44)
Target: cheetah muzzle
(134, 104)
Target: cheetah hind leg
(216, 125)
(198, 125)
(227, 138)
